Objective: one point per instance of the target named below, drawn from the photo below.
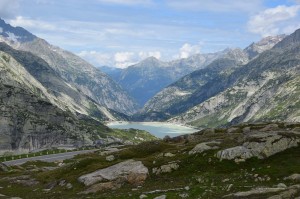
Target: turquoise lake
(158, 129)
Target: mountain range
(50, 96)
(225, 93)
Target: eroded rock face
(205, 146)
(131, 171)
(260, 145)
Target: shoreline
(151, 124)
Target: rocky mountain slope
(145, 79)
(33, 115)
(247, 161)
(74, 70)
(265, 89)
(203, 84)
(29, 116)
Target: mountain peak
(289, 40)
(264, 44)
(149, 62)
(15, 34)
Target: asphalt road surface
(48, 158)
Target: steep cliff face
(64, 95)
(29, 119)
(79, 74)
(265, 89)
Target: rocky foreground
(245, 161)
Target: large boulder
(131, 171)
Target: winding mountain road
(48, 158)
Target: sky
(119, 33)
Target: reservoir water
(159, 129)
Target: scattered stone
(102, 187)
(168, 168)
(205, 146)
(110, 158)
(232, 130)
(24, 180)
(51, 185)
(3, 167)
(15, 198)
(1, 195)
(270, 127)
(255, 191)
(281, 185)
(225, 180)
(69, 186)
(169, 155)
(61, 164)
(143, 196)
(229, 187)
(48, 168)
(62, 183)
(246, 130)
(184, 195)
(109, 151)
(187, 188)
(161, 197)
(294, 177)
(131, 171)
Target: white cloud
(9, 8)
(124, 59)
(274, 21)
(144, 55)
(97, 58)
(216, 5)
(127, 2)
(30, 23)
(118, 59)
(187, 50)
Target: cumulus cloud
(144, 55)
(117, 59)
(9, 8)
(187, 50)
(30, 23)
(274, 21)
(97, 58)
(216, 5)
(124, 59)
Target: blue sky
(122, 32)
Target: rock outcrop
(260, 145)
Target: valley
(149, 99)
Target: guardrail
(41, 153)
